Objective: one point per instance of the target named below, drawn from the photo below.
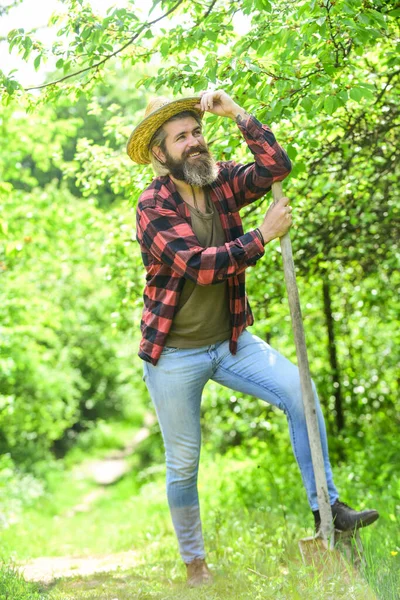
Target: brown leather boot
(198, 573)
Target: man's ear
(159, 154)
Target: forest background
(325, 76)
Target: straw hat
(157, 112)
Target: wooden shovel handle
(305, 381)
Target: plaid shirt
(171, 252)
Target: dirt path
(104, 472)
(46, 570)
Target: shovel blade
(350, 546)
(340, 563)
(316, 552)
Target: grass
(13, 586)
(254, 512)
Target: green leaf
(262, 5)
(307, 104)
(265, 46)
(212, 35)
(36, 62)
(155, 3)
(12, 34)
(358, 93)
(12, 43)
(59, 63)
(212, 73)
(330, 104)
(367, 93)
(378, 18)
(298, 167)
(164, 48)
(254, 68)
(96, 36)
(292, 151)
(86, 33)
(27, 43)
(365, 19)
(329, 68)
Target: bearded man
(196, 312)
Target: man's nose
(192, 141)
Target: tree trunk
(337, 392)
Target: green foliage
(34, 146)
(62, 358)
(324, 75)
(17, 491)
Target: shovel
(318, 548)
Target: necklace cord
(194, 198)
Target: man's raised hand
(219, 103)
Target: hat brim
(139, 140)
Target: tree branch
(383, 91)
(5, 9)
(213, 3)
(101, 62)
(328, 7)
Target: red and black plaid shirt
(171, 252)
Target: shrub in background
(63, 360)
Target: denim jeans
(176, 384)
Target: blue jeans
(176, 384)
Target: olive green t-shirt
(203, 315)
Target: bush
(63, 361)
(17, 490)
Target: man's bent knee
(183, 468)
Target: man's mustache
(199, 149)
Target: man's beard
(199, 172)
